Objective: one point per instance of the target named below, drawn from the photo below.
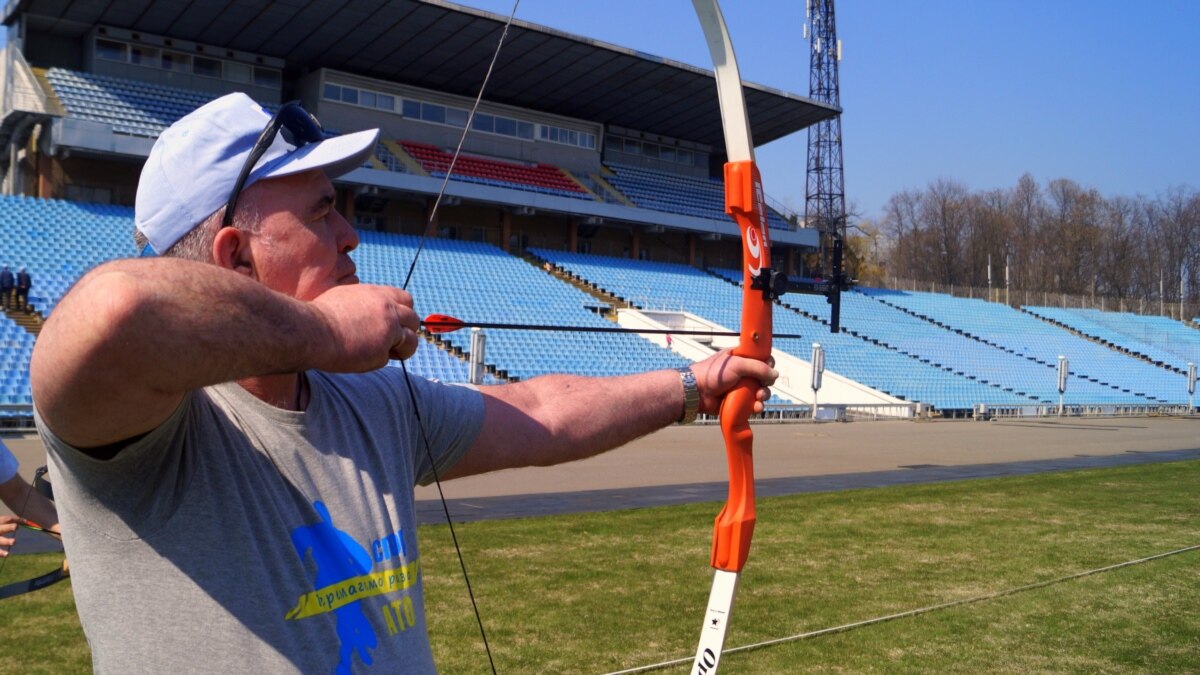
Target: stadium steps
(780, 303)
(610, 190)
(414, 167)
(1104, 343)
(582, 284)
(31, 322)
(53, 102)
(582, 186)
(968, 334)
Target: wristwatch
(691, 395)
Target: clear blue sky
(981, 91)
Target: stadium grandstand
(588, 192)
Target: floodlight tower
(825, 191)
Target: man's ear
(231, 250)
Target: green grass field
(599, 592)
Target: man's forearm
(143, 332)
(561, 418)
(26, 502)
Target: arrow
(437, 324)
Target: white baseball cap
(195, 163)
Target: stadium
(607, 183)
(586, 202)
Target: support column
(505, 230)
(573, 235)
(635, 242)
(791, 262)
(45, 175)
(691, 247)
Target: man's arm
(118, 354)
(25, 501)
(561, 418)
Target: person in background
(24, 283)
(6, 286)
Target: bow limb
(37, 583)
(734, 525)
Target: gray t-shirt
(239, 537)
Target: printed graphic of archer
(339, 558)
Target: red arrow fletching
(437, 324)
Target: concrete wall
(795, 374)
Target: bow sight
(774, 284)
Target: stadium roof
(447, 47)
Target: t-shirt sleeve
(451, 418)
(8, 464)
(111, 494)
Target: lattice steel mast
(825, 190)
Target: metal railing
(1001, 411)
(1014, 297)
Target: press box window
(433, 113)
(178, 63)
(237, 72)
(265, 77)
(143, 56)
(506, 126)
(206, 67)
(110, 50)
(484, 123)
(456, 117)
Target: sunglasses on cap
(299, 128)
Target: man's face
(302, 246)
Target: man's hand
(720, 372)
(8, 525)
(367, 325)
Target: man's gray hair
(197, 244)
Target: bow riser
(734, 525)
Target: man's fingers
(408, 345)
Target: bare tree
(1064, 238)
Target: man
(24, 283)
(6, 286)
(231, 458)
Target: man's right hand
(8, 525)
(367, 325)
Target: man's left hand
(719, 373)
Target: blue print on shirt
(339, 558)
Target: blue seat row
(676, 193)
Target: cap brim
(336, 156)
